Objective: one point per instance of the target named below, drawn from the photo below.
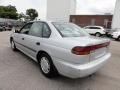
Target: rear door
(93, 29)
(89, 30)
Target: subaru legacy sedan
(61, 48)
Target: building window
(92, 21)
(105, 22)
(73, 20)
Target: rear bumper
(78, 71)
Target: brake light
(86, 50)
(81, 50)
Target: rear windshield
(69, 29)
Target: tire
(1, 30)
(13, 45)
(118, 39)
(97, 34)
(4, 29)
(46, 66)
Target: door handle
(23, 39)
(37, 43)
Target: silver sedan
(61, 48)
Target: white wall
(116, 17)
(60, 9)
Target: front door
(37, 35)
(19, 38)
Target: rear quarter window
(94, 28)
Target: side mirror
(17, 31)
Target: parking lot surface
(19, 72)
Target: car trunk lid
(98, 46)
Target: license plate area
(94, 55)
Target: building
(116, 17)
(60, 9)
(84, 20)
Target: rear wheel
(97, 34)
(46, 66)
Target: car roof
(47, 21)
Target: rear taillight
(86, 50)
(81, 50)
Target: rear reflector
(86, 50)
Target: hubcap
(45, 66)
(97, 35)
(119, 38)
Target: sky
(83, 6)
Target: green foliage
(11, 13)
(8, 12)
(32, 13)
(21, 15)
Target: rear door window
(46, 31)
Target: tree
(21, 16)
(32, 13)
(8, 12)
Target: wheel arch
(97, 32)
(118, 37)
(55, 71)
(40, 52)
